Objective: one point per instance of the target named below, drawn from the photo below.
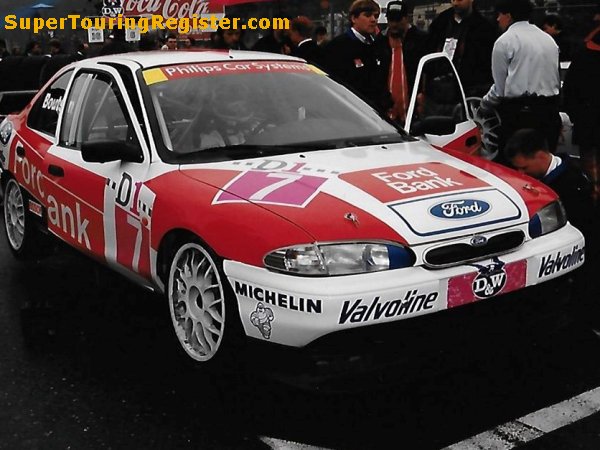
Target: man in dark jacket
(403, 46)
(58, 59)
(230, 39)
(527, 151)
(553, 25)
(273, 42)
(468, 38)
(116, 43)
(303, 46)
(354, 59)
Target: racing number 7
(286, 178)
(278, 188)
(125, 226)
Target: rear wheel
(196, 292)
(23, 237)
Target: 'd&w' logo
(490, 280)
(112, 8)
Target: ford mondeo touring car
(266, 202)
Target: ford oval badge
(478, 241)
(460, 209)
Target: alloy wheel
(14, 215)
(197, 302)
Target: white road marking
(279, 444)
(534, 425)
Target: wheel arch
(5, 175)
(170, 243)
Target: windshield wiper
(377, 140)
(241, 151)
(250, 150)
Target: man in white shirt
(525, 68)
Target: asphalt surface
(87, 361)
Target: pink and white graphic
(396, 183)
(274, 188)
(495, 279)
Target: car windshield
(230, 110)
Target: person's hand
(485, 110)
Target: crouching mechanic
(527, 151)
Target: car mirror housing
(438, 125)
(106, 151)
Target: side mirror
(106, 151)
(438, 125)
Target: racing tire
(202, 308)
(23, 236)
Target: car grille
(453, 254)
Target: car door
(97, 199)
(438, 109)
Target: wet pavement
(88, 361)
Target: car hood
(408, 192)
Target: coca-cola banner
(172, 8)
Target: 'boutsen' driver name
(421, 179)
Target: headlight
(548, 219)
(339, 258)
(5, 131)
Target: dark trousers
(539, 113)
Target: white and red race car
(253, 190)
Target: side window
(44, 114)
(95, 113)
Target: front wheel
(22, 235)
(197, 301)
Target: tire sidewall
(22, 251)
(232, 338)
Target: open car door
(438, 109)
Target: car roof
(166, 58)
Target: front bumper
(296, 311)
(406, 351)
